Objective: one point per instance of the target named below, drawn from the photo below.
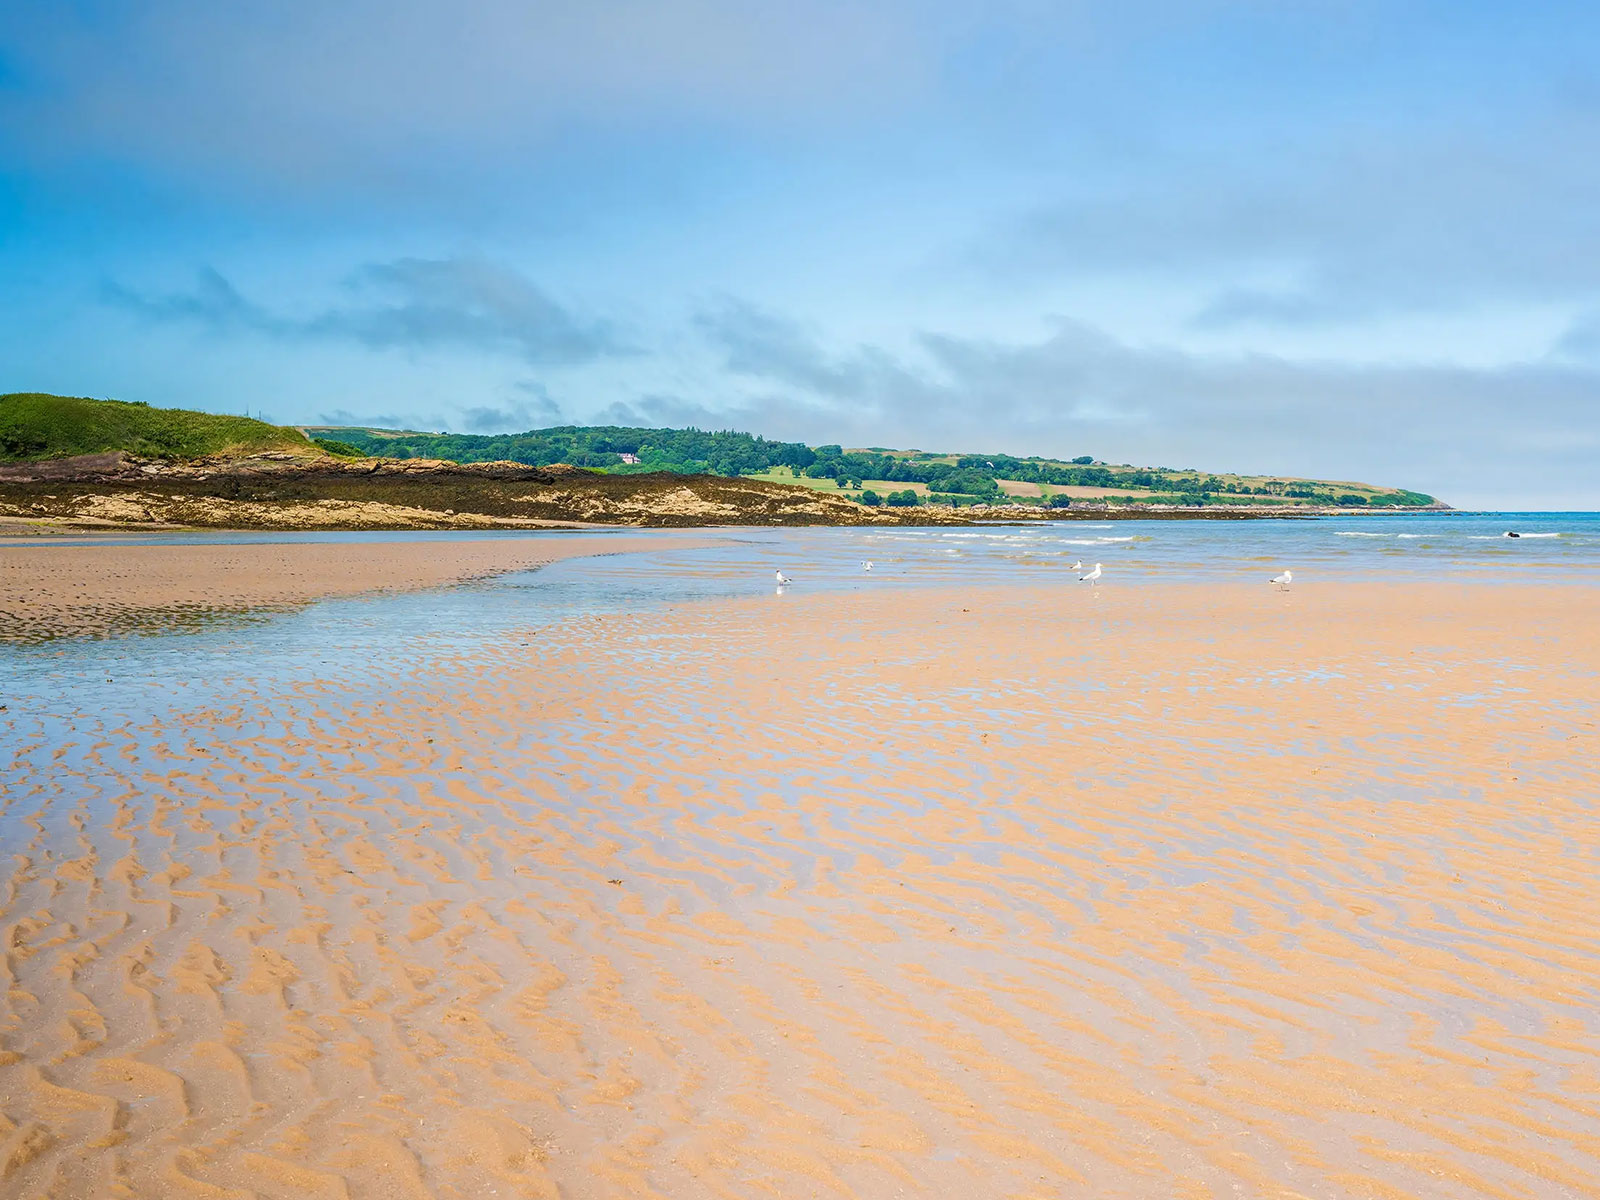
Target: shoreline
(281, 492)
(96, 586)
(17, 529)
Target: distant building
(630, 459)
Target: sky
(1338, 238)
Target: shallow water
(366, 641)
(1334, 548)
(875, 887)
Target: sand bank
(93, 588)
(1154, 893)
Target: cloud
(761, 344)
(214, 302)
(410, 303)
(515, 416)
(362, 90)
(1461, 433)
(656, 410)
(343, 416)
(1351, 226)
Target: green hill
(34, 425)
(903, 477)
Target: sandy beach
(97, 588)
(1156, 892)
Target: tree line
(971, 478)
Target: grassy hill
(904, 477)
(34, 425)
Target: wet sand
(1157, 892)
(95, 588)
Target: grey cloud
(359, 88)
(1409, 220)
(661, 411)
(343, 416)
(1469, 436)
(762, 344)
(214, 302)
(410, 303)
(619, 412)
(539, 411)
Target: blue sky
(1347, 239)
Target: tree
(970, 483)
(871, 498)
(1060, 501)
(905, 499)
(1084, 460)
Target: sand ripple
(1174, 894)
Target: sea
(690, 564)
(369, 641)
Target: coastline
(96, 586)
(280, 492)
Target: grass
(882, 486)
(34, 425)
(1041, 493)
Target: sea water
(370, 641)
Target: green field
(34, 425)
(882, 486)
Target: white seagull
(867, 565)
(1077, 566)
(782, 578)
(1283, 581)
(1093, 577)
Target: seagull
(1077, 566)
(867, 565)
(782, 578)
(1283, 581)
(1092, 578)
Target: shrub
(871, 498)
(1060, 501)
